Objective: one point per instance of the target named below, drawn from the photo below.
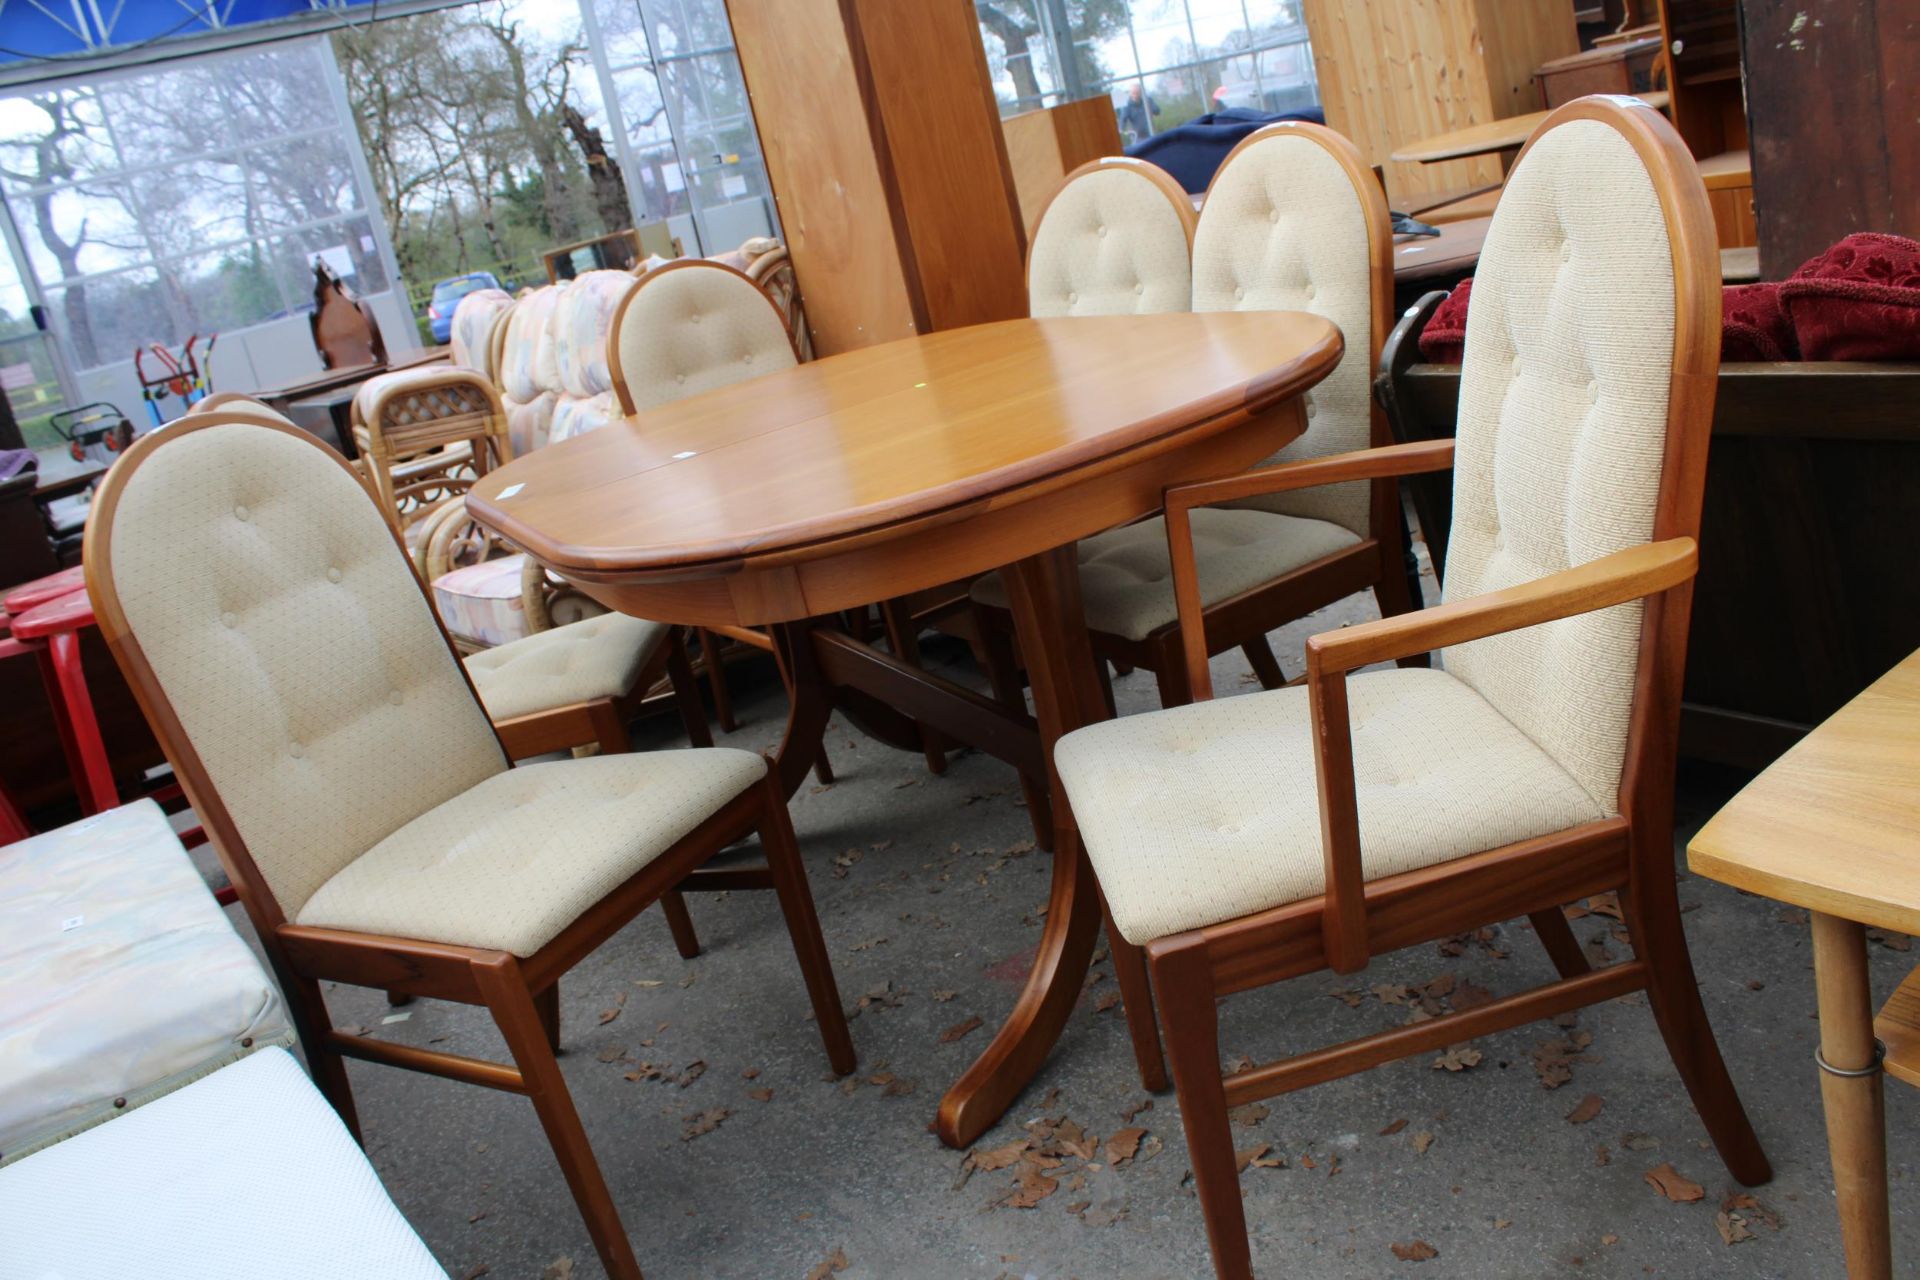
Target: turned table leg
(1850, 1086)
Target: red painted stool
(29, 595)
(51, 632)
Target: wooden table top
(1490, 138)
(1834, 824)
(802, 463)
(1455, 249)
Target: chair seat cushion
(1126, 574)
(123, 982)
(600, 657)
(1205, 813)
(513, 861)
(481, 603)
(246, 1173)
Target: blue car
(446, 296)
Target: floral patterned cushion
(526, 358)
(480, 603)
(575, 417)
(124, 980)
(473, 325)
(529, 425)
(581, 321)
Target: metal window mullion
(610, 101)
(357, 161)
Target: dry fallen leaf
(1421, 1141)
(1589, 1108)
(1247, 1155)
(1107, 1002)
(1394, 1128)
(560, 1268)
(760, 1095)
(1124, 1145)
(1128, 1113)
(1672, 1184)
(475, 1271)
(959, 1029)
(1415, 1251)
(612, 1053)
(944, 996)
(1750, 1209)
(998, 1157)
(701, 1122)
(833, 1262)
(693, 1072)
(1249, 1114)
(1457, 1058)
(751, 1073)
(1033, 1187)
(1732, 1227)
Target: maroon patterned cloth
(1860, 300)
(1754, 324)
(1444, 340)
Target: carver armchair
(1266, 836)
(358, 795)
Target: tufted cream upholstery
(1563, 413)
(1109, 243)
(692, 327)
(1126, 576)
(1206, 813)
(1283, 229)
(294, 643)
(599, 657)
(519, 857)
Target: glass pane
(53, 136)
(103, 320)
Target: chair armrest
(1611, 580)
(1363, 464)
(1599, 584)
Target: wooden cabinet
(883, 146)
(1395, 71)
(1045, 146)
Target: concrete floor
(928, 902)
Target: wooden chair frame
(1631, 853)
(521, 994)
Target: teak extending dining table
(865, 476)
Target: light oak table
(867, 476)
(1834, 826)
(1491, 138)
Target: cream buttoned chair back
(286, 631)
(1562, 438)
(1115, 240)
(693, 326)
(1295, 221)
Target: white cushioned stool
(246, 1173)
(124, 981)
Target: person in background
(1136, 112)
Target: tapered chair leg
(686, 692)
(504, 988)
(1265, 665)
(1003, 676)
(717, 680)
(1136, 997)
(1184, 981)
(1556, 935)
(311, 1022)
(803, 926)
(680, 924)
(547, 1005)
(1653, 916)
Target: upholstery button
(333, 574)
(679, 377)
(1101, 231)
(394, 696)
(241, 513)
(747, 359)
(1311, 291)
(1312, 409)
(694, 318)
(1238, 292)
(1516, 366)
(229, 620)
(1273, 215)
(296, 751)
(1139, 288)
(1072, 296)
(1593, 392)
(1566, 251)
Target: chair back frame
(622, 394)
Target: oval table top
(791, 465)
(1491, 137)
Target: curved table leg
(809, 704)
(1047, 614)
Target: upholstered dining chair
(331, 741)
(1294, 220)
(1278, 833)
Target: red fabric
(1754, 324)
(1444, 340)
(1860, 300)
